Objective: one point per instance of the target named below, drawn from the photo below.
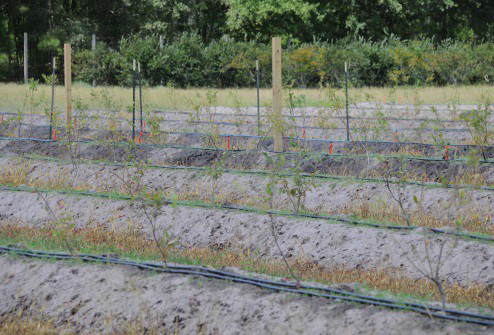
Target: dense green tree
(50, 23)
(376, 19)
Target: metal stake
(346, 96)
(133, 100)
(258, 100)
(52, 98)
(140, 90)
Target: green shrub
(188, 62)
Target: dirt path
(97, 298)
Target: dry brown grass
(18, 174)
(473, 220)
(31, 322)
(20, 325)
(188, 99)
(98, 239)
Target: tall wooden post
(68, 83)
(277, 96)
(25, 59)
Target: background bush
(188, 62)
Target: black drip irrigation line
(410, 158)
(250, 210)
(312, 291)
(228, 123)
(304, 139)
(308, 139)
(287, 138)
(352, 118)
(258, 172)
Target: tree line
(439, 24)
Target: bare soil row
(355, 165)
(326, 129)
(103, 299)
(326, 244)
(328, 196)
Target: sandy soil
(361, 130)
(87, 294)
(421, 124)
(361, 166)
(315, 240)
(90, 294)
(330, 196)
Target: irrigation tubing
(222, 115)
(288, 116)
(386, 107)
(228, 123)
(250, 210)
(258, 172)
(409, 158)
(308, 139)
(289, 138)
(312, 291)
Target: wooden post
(161, 42)
(68, 83)
(26, 81)
(277, 95)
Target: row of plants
(295, 187)
(189, 62)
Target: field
(190, 223)
(12, 95)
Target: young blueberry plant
(296, 184)
(271, 189)
(428, 258)
(215, 171)
(477, 123)
(74, 132)
(395, 184)
(151, 204)
(64, 227)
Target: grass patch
(32, 321)
(166, 98)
